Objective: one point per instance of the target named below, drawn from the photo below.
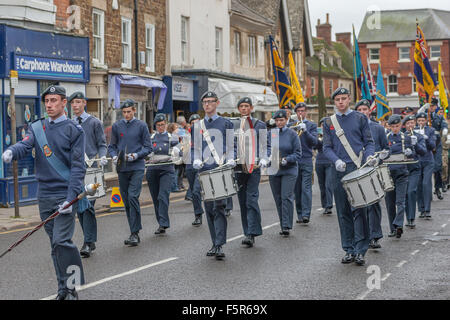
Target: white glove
(64, 211)
(176, 151)
(425, 137)
(115, 158)
(103, 161)
(263, 163)
(231, 163)
(284, 162)
(197, 164)
(132, 157)
(372, 161)
(444, 132)
(413, 140)
(384, 154)
(302, 126)
(7, 156)
(340, 165)
(408, 152)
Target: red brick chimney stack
(324, 30)
(345, 38)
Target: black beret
(340, 91)
(245, 100)
(409, 118)
(395, 119)
(407, 109)
(287, 107)
(300, 105)
(194, 117)
(363, 102)
(159, 117)
(127, 103)
(76, 95)
(59, 90)
(209, 94)
(280, 114)
(434, 101)
(421, 115)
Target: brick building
(393, 43)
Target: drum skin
(218, 184)
(363, 187)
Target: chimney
(324, 30)
(345, 38)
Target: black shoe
(327, 211)
(160, 230)
(438, 194)
(374, 244)
(422, 215)
(92, 246)
(359, 259)
(412, 225)
(212, 251)
(284, 232)
(188, 198)
(67, 295)
(249, 241)
(444, 189)
(219, 253)
(305, 220)
(398, 232)
(197, 221)
(133, 240)
(427, 215)
(392, 234)
(61, 295)
(85, 251)
(228, 213)
(348, 258)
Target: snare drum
(385, 177)
(218, 183)
(363, 187)
(95, 175)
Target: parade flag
(442, 92)
(294, 81)
(281, 83)
(383, 109)
(372, 86)
(359, 74)
(425, 80)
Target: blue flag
(359, 74)
(383, 109)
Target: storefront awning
(116, 81)
(230, 92)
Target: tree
(321, 97)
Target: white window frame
(389, 84)
(371, 55)
(433, 55)
(150, 47)
(100, 37)
(126, 64)
(184, 40)
(237, 48)
(218, 47)
(414, 88)
(252, 54)
(402, 59)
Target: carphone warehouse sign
(48, 68)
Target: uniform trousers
(282, 187)
(396, 199)
(88, 223)
(248, 196)
(159, 183)
(130, 185)
(303, 190)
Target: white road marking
(242, 235)
(272, 225)
(444, 225)
(414, 252)
(386, 276)
(424, 243)
(96, 283)
(401, 264)
(363, 295)
(235, 238)
(435, 234)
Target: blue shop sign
(49, 68)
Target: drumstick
(98, 159)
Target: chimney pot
(328, 18)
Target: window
(252, 51)
(218, 47)
(414, 87)
(237, 48)
(126, 43)
(98, 41)
(374, 54)
(331, 88)
(403, 53)
(392, 84)
(184, 40)
(150, 47)
(313, 86)
(435, 52)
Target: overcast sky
(344, 13)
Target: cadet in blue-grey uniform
(225, 151)
(130, 136)
(374, 212)
(440, 126)
(60, 169)
(286, 143)
(248, 183)
(95, 146)
(353, 223)
(289, 110)
(159, 177)
(399, 143)
(303, 186)
(409, 122)
(324, 171)
(425, 188)
(192, 176)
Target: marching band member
(130, 137)
(409, 122)
(95, 145)
(288, 109)
(353, 223)
(248, 183)
(286, 142)
(159, 177)
(399, 143)
(60, 169)
(192, 176)
(374, 212)
(303, 186)
(222, 148)
(324, 171)
(424, 190)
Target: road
(174, 266)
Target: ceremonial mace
(90, 190)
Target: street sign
(14, 79)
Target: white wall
(39, 11)
(204, 16)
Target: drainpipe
(136, 37)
